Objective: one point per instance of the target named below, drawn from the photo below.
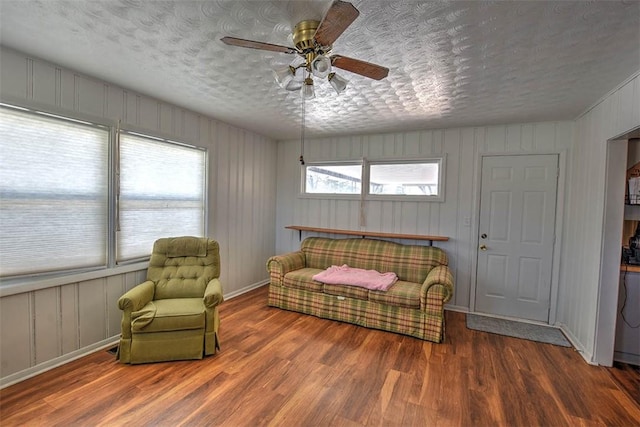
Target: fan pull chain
(363, 216)
(302, 133)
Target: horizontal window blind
(53, 193)
(162, 193)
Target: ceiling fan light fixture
(284, 75)
(294, 85)
(299, 74)
(338, 82)
(321, 66)
(298, 61)
(307, 91)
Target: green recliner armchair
(173, 315)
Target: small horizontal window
(332, 178)
(406, 178)
(417, 179)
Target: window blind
(53, 193)
(162, 193)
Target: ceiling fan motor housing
(303, 38)
(303, 34)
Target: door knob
(483, 247)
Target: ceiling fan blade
(232, 41)
(339, 16)
(357, 66)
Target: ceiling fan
(313, 43)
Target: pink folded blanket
(345, 275)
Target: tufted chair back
(181, 267)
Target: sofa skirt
(401, 320)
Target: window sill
(19, 286)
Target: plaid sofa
(413, 306)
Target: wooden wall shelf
(364, 234)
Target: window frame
(117, 197)
(364, 193)
(344, 196)
(439, 160)
(36, 110)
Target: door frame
(559, 217)
(609, 280)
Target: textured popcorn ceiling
(451, 63)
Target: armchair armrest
(137, 297)
(280, 265)
(438, 276)
(134, 300)
(213, 294)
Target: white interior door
(516, 235)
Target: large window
(74, 197)
(162, 193)
(53, 193)
(418, 179)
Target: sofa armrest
(279, 265)
(439, 276)
(213, 294)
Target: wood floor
(286, 369)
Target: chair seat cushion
(165, 315)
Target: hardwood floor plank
(628, 377)
(280, 368)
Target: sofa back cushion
(181, 267)
(411, 263)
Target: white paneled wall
(454, 217)
(589, 301)
(51, 323)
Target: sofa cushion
(346, 291)
(169, 315)
(401, 294)
(302, 279)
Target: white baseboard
(456, 308)
(246, 289)
(631, 359)
(577, 345)
(58, 361)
